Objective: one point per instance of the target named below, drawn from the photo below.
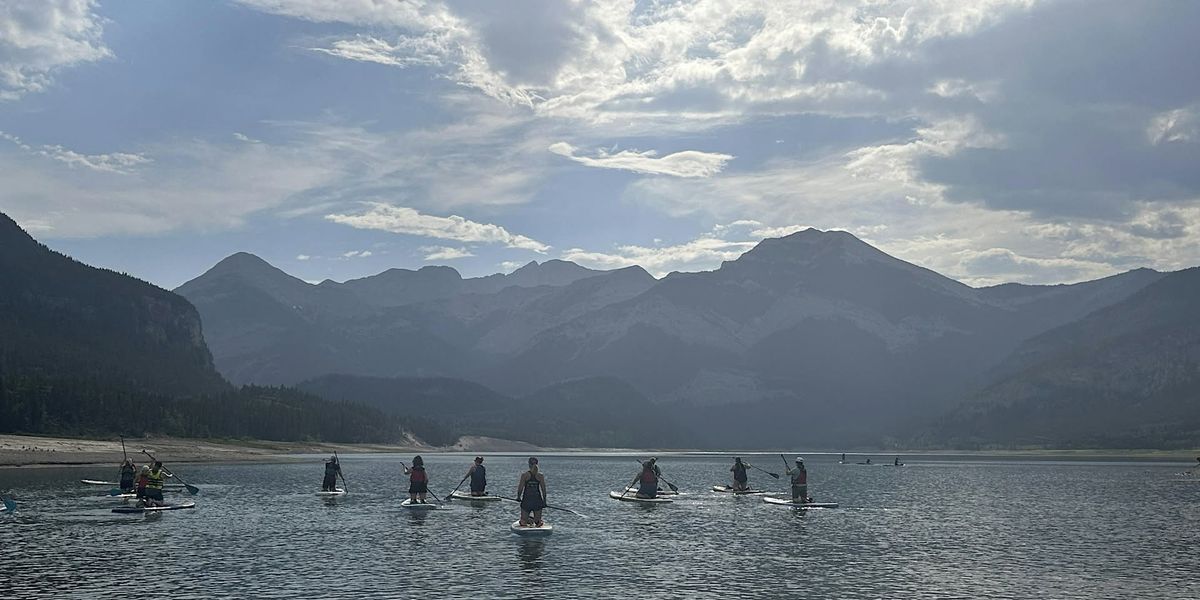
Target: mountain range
(814, 339)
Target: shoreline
(21, 451)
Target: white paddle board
(409, 504)
(634, 498)
(130, 510)
(799, 505)
(728, 490)
(468, 496)
(544, 530)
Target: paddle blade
(10, 506)
(193, 490)
(115, 492)
(775, 475)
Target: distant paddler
(741, 479)
(478, 475)
(128, 474)
(418, 480)
(531, 493)
(332, 470)
(799, 476)
(647, 480)
(153, 494)
(143, 479)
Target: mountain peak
(241, 262)
(813, 245)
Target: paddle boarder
(531, 493)
(128, 472)
(142, 479)
(332, 470)
(741, 479)
(897, 462)
(648, 480)
(799, 477)
(153, 494)
(418, 480)
(478, 475)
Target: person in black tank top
(478, 475)
(531, 492)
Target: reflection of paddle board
(634, 498)
(544, 530)
(728, 490)
(336, 492)
(409, 504)
(468, 496)
(661, 492)
(131, 510)
(799, 505)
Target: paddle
(435, 497)
(193, 490)
(547, 506)
(664, 479)
(775, 475)
(9, 506)
(625, 490)
(450, 496)
(345, 487)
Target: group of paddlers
(146, 483)
(531, 487)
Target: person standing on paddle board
(332, 470)
(128, 471)
(478, 475)
(418, 480)
(799, 477)
(154, 485)
(531, 493)
(741, 479)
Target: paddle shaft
(547, 506)
(775, 475)
(193, 490)
(450, 496)
(664, 479)
(626, 490)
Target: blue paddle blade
(10, 506)
(115, 492)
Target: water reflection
(529, 552)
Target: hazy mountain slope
(1125, 374)
(566, 414)
(58, 316)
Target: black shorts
(418, 487)
(153, 494)
(532, 502)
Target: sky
(991, 141)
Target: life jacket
(478, 476)
(142, 481)
(417, 475)
(649, 477)
(127, 471)
(331, 468)
(154, 480)
(739, 471)
(800, 477)
(533, 486)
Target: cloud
(689, 163)
(357, 254)
(116, 162)
(407, 221)
(444, 253)
(702, 253)
(303, 257)
(41, 37)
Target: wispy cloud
(357, 254)
(115, 162)
(444, 253)
(303, 257)
(688, 163)
(702, 253)
(408, 221)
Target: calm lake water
(936, 528)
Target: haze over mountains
(815, 339)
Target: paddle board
(130, 510)
(544, 530)
(661, 492)
(728, 490)
(633, 498)
(799, 505)
(468, 496)
(336, 492)
(409, 504)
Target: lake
(938, 527)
